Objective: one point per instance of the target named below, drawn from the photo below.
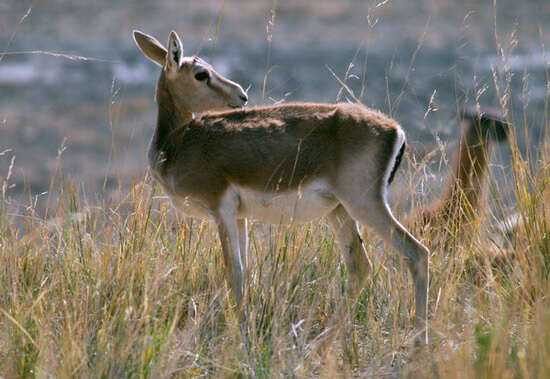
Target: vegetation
(129, 288)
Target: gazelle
(462, 199)
(279, 164)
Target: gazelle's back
(300, 118)
(277, 148)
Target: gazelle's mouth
(244, 100)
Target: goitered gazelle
(287, 163)
(462, 200)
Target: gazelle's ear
(152, 48)
(175, 53)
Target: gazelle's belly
(306, 203)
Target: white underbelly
(309, 202)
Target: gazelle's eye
(201, 76)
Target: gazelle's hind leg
(351, 248)
(361, 188)
(374, 212)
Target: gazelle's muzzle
(239, 96)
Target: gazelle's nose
(244, 98)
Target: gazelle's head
(486, 123)
(192, 83)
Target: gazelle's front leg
(226, 221)
(243, 241)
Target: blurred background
(73, 84)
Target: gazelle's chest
(191, 206)
(190, 203)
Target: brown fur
(267, 148)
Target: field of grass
(128, 288)
(120, 285)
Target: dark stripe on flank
(397, 163)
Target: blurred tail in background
(462, 199)
(464, 193)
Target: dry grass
(130, 289)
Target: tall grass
(129, 288)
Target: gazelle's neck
(170, 117)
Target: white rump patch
(396, 147)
